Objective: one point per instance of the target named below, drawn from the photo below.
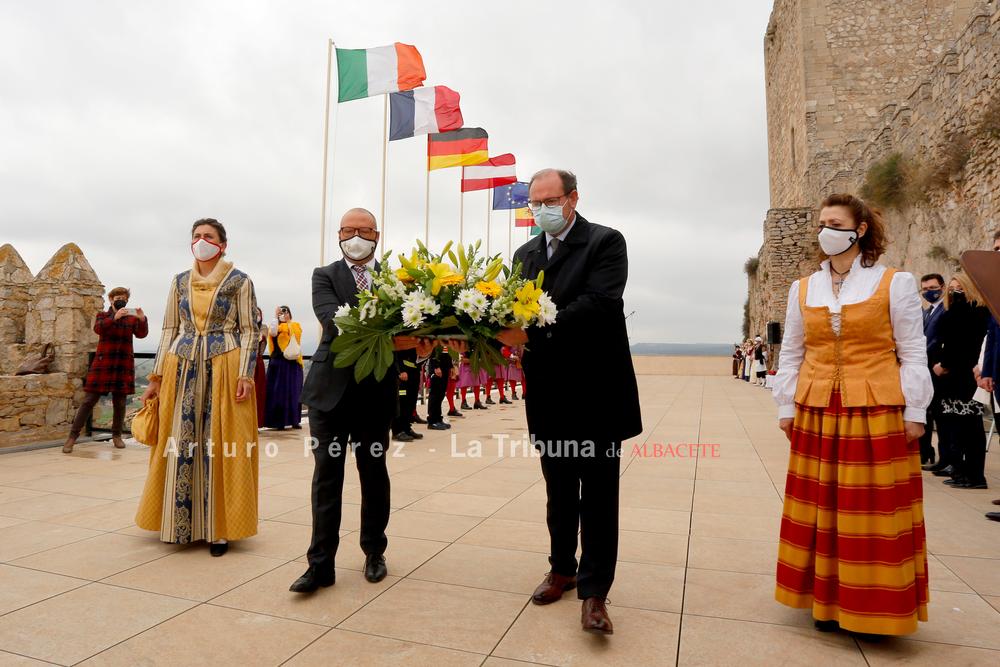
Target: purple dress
(284, 391)
(466, 378)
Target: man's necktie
(360, 277)
(554, 245)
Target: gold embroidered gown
(203, 472)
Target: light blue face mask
(550, 219)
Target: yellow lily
(526, 304)
(490, 288)
(444, 275)
(404, 276)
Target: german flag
(466, 146)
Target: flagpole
(385, 151)
(427, 210)
(510, 234)
(489, 204)
(461, 218)
(326, 145)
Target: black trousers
(926, 446)
(438, 387)
(350, 421)
(967, 438)
(582, 493)
(90, 399)
(407, 401)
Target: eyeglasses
(536, 205)
(367, 233)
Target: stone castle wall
(57, 306)
(949, 99)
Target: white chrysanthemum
(467, 302)
(499, 310)
(412, 317)
(479, 299)
(428, 305)
(546, 310)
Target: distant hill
(683, 349)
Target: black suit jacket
(959, 338)
(332, 286)
(580, 368)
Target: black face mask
(120, 303)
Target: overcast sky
(121, 122)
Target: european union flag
(510, 196)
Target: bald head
(358, 217)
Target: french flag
(493, 173)
(423, 111)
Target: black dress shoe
(940, 465)
(375, 569)
(504, 401)
(455, 413)
(479, 406)
(413, 434)
(827, 626)
(311, 581)
(993, 516)
(929, 467)
(972, 485)
(956, 482)
(490, 401)
(218, 549)
(297, 427)
(438, 426)
(417, 419)
(514, 396)
(403, 437)
(944, 472)
(466, 406)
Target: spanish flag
(523, 217)
(383, 69)
(466, 146)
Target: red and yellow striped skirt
(853, 546)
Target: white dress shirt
(860, 284)
(561, 237)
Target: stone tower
(831, 67)
(851, 81)
(15, 285)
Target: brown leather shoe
(118, 442)
(552, 588)
(68, 447)
(595, 617)
(997, 501)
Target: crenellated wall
(930, 80)
(57, 306)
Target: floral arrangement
(457, 294)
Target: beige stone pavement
(79, 583)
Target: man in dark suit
(439, 369)
(409, 385)
(342, 411)
(989, 374)
(932, 291)
(586, 267)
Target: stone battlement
(55, 306)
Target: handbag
(293, 349)
(38, 365)
(146, 422)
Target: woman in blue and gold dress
(203, 470)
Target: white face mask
(357, 248)
(205, 251)
(837, 241)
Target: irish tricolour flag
(384, 69)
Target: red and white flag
(493, 173)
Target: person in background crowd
(932, 292)
(852, 389)
(959, 417)
(439, 367)
(451, 391)
(990, 370)
(467, 379)
(196, 488)
(409, 384)
(499, 378)
(113, 369)
(259, 372)
(737, 358)
(284, 374)
(747, 360)
(514, 371)
(760, 361)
